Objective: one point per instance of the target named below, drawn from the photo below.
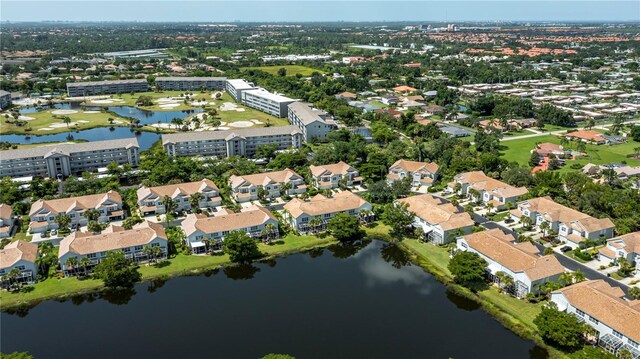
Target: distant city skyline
(318, 11)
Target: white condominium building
(314, 123)
(266, 101)
(69, 158)
(230, 143)
(235, 87)
(75, 89)
(191, 83)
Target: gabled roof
(221, 135)
(340, 168)
(437, 211)
(481, 182)
(17, 251)
(248, 217)
(262, 179)
(629, 242)
(174, 190)
(5, 211)
(319, 204)
(414, 166)
(55, 206)
(69, 148)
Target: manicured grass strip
(292, 70)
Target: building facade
(19, 256)
(150, 199)
(626, 246)
(312, 122)
(481, 187)
(63, 160)
(248, 187)
(77, 89)
(191, 83)
(6, 220)
(330, 176)
(235, 88)
(5, 99)
(421, 173)
(267, 102)
(440, 222)
(315, 213)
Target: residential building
(603, 307)
(441, 222)
(61, 160)
(404, 89)
(150, 199)
(199, 229)
(626, 246)
(330, 176)
(235, 87)
(267, 102)
(21, 256)
(191, 83)
(230, 143)
(486, 189)
(77, 89)
(247, 188)
(390, 100)
(312, 122)
(595, 137)
(421, 173)
(43, 212)
(5, 99)
(131, 242)
(520, 261)
(571, 225)
(301, 214)
(346, 96)
(6, 220)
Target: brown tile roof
(173, 190)
(404, 88)
(249, 217)
(481, 182)
(518, 257)
(437, 212)
(56, 206)
(414, 166)
(607, 252)
(261, 179)
(588, 135)
(552, 211)
(319, 204)
(341, 168)
(16, 251)
(629, 242)
(5, 211)
(111, 239)
(605, 303)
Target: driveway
(588, 272)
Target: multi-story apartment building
(43, 212)
(247, 188)
(441, 222)
(21, 256)
(626, 246)
(520, 261)
(76, 89)
(303, 215)
(150, 199)
(314, 123)
(421, 173)
(5, 99)
(235, 87)
(191, 83)
(571, 225)
(62, 160)
(481, 187)
(230, 143)
(6, 220)
(330, 176)
(132, 242)
(267, 102)
(199, 229)
(603, 307)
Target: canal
(347, 301)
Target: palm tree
(148, 251)
(67, 120)
(91, 214)
(314, 223)
(618, 124)
(508, 282)
(194, 200)
(177, 121)
(544, 227)
(84, 263)
(157, 253)
(268, 231)
(169, 204)
(12, 277)
(284, 189)
(581, 147)
(590, 123)
(474, 194)
(578, 276)
(72, 263)
(63, 220)
(489, 207)
(566, 278)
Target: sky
(318, 10)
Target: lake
(347, 301)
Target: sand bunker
(45, 129)
(63, 125)
(90, 111)
(25, 118)
(102, 102)
(170, 105)
(241, 124)
(257, 122)
(64, 112)
(83, 121)
(198, 103)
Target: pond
(347, 301)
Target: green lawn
(246, 115)
(292, 70)
(521, 310)
(131, 99)
(47, 122)
(437, 256)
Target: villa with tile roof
(246, 188)
(43, 212)
(199, 229)
(150, 198)
(489, 190)
(603, 307)
(329, 176)
(520, 261)
(132, 242)
(421, 173)
(20, 255)
(440, 221)
(571, 225)
(6, 220)
(300, 214)
(626, 246)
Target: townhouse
(76, 89)
(249, 187)
(421, 173)
(316, 212)
(202, 231)
(43, 212)
(18, 257)
(95, 247)
(267, 102)
(520, 261)
(191, 83)
(330, 176)
(626, 246)
(230, 143)
(61, 160)
(312, 122)
(151, 199)
(571, 225)
(603, 307)
(6, 220)
(440, 221)
(481, 187)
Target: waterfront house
(421, 173)
(247, 188)
(43, 212)
(150, 199)
(626, 246)
(520, 261)
(441, 222)
(19, 256)
(330, 176)
(131, 242)
(6, 220)
(199, 229)
(481, 187)
(303, 215)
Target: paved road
(588, 272)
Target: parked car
(565, 249)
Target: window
(579, 312)
(594, 320)
(138, 248)
(633, 343)
(127, 250)
(20, 267)
(617, 334)
(155, 244)
(91, 255)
